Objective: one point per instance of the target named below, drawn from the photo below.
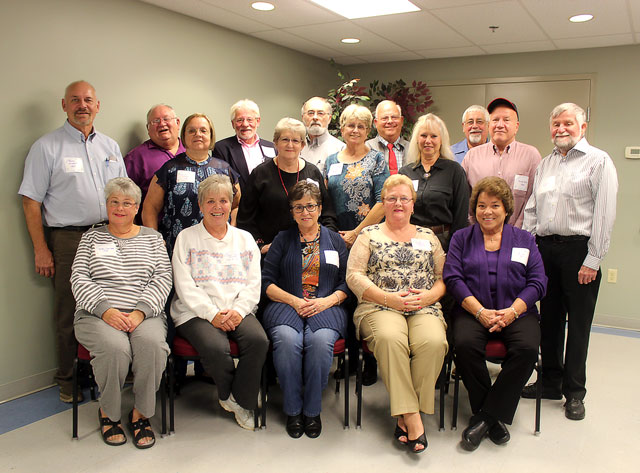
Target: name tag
(335, 169)
(105, 249)
(73, 165)
(311, 181)
(268, 152)
(331, 256)
(547, 185)
(420, 244)
(415, 184)
(230, 259)
(186, 176)
(520, 182)
(520, 255)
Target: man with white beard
(475, 126)
(316, 116)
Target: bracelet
(479, 312)
(514, 311)
(385, 301)
(336, 294)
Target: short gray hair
(159, 105)
(292, 125)
(244, 103)
(388, 102)
(326, 103)
(125, 186)
(476, 108)
(572, 108)
(216, 183)
(357, 112)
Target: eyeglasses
(295, 141)
(403, 200)
(127, 204)
(300, 208)
(479, 121)
(389, 118)
(319, 113)
(158, 121)
(249, 120)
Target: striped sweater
(121, 273)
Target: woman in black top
(264, 207)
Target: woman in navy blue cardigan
(304, 278)
(495, 273)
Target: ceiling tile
(297, 43)
(595, 42)
(523, 47)
(348, 60)
(391, 57)
(451, 52)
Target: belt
(82, 228)
(562, 238)
(440, 229)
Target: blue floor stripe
(620, 332)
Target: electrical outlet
(612, 276)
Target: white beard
(316, 130)
(475, 138)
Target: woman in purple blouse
(495, 273)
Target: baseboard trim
(628, 323)
(28, 385)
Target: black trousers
(522, 339)
(566, 299)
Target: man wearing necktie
(388, 121)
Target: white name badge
(331, 256)
(335, 169)
(520, 183)
(186, 176)
(547, 185)
(420, 244)
(268, 152)
(105, 249)
(230, 259)
(520, 255)
(73, 165)
(311, 181)
(415, 184)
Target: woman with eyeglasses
(355, 175)
(171, 204)
(264, 208)
(121, 277)
(395, 270)
(304, 278)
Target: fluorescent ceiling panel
(366, 8)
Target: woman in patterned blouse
(395, 270)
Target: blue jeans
(302, 383)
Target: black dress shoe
(312, 426)
(473, 435)
(499, 434)
(370, 371)
(574, 409)
(529, 392)
(295, 426)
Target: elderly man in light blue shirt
(63, 187)
(475, 126)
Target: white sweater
(211, 275)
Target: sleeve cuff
(592, 262)
(101, 308)
(145, 308)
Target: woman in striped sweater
(121, 277)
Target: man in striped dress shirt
(571, 211)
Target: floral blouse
(376, 259)
(355, 188)
(310, 267)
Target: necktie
(393, 164)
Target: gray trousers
(112, 351)
(212, 344)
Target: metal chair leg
(74, 434)
(345, 360)
(456, 391)
(163, 401)
(359, 388)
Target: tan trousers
(410, 351)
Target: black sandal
(422, 440)
(114, 429)
(398, 432)
(144, 430)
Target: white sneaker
(244, 417)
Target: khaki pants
(410, 351)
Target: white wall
(135, 55)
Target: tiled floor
(207, 438)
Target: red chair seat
(339, 346)
(495, 349)
(181, 347)
(83, 353)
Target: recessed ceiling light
(262, 6)
(367, 8)
(350, 40)
(581, 18)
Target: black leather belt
(440, 229)
(82, 228)
(562, 238)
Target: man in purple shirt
(144, 160)
(505, 157)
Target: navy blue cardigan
(283, 267)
